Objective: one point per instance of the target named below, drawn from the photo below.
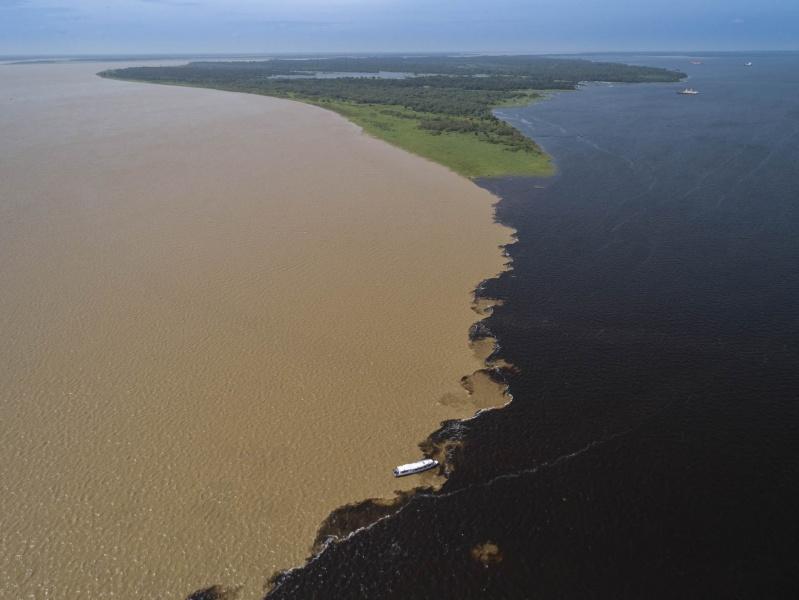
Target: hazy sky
(156, 26)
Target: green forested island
(439, 107)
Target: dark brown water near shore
(652, 446)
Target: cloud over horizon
(185, 26)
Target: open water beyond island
(652, 446)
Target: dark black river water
(652, 446)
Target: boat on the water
(688, 92)
(696, 62)
(415, 467)
(748, 64)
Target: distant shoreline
(440, 108)
(464, 156)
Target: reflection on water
(340, 75)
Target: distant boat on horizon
(688, 92)
(748, 64)
(697, 62)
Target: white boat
(415, 467)
(748, 64)
(688, 92)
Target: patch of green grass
(467, 153)
(521, 98)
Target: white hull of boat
(415, 467)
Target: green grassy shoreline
(464, 153)
(438, 107)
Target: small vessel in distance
(697, 62)
(415, 467)
(748, 63)
(688, 92)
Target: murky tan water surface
(222, 316)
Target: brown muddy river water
(222, 316)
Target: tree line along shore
(439, 107)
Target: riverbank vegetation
(438, 107)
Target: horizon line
(384, 52)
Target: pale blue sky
(185, 26)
